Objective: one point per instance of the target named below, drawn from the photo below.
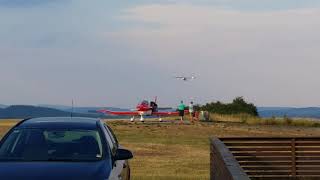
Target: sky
(115, 53)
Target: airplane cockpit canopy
(145, 102)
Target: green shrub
(287, 120)
(253, 120)
(238, 106)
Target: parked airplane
(143, 109)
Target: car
(64, 148)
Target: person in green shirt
(181, 109)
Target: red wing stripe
(129, 113)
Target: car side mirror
(123, 154)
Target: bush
(287, 120)
(238, 106)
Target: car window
(110, 141)
(52, 145)
(112, 135)
(10, 144)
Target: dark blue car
(62, 149)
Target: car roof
(60, 123)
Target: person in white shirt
(192, 112)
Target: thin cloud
(261, 55)
(26, 3)
(98, 52)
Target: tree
(238, 106)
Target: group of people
(182, 107)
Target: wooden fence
(223, 166)
(274, 158)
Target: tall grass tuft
(253, 120)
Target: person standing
(181, 109)
(192, 112)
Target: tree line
(238, 106)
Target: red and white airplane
(143, 109)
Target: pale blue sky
(114, 53)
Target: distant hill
(93, 109)
(59, 107)
(81, 109)
(23, 111)
(307, 112)
(26, 111)
(3, 106)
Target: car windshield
(52, 145)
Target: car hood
(55, 170)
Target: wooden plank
(266, 163)
(293, 158)
(307, 158)
(302, 148)
(303, 144)
(259, 144)
(263, 158)
(316, 139)
(272, 138)
(308, 168)
(317, 154)
(313, 173)
(282, 177)
(232, 149)
(250, 137)
(313, 163)
(270, 168)
(262, 154)
(268, 172)
(254, 139)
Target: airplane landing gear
(132, 119)
(160, 119)
(141, 119)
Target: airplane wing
(123, 113)
(174, 113)
(185, 78)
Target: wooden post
(293, 158)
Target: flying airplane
(184, 78)
(143, 109)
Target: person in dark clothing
(154, 106)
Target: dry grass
(251, 120)
(6, 124)
(172, 151)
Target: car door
(119, 167)
(126, 167)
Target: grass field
(172, 151)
